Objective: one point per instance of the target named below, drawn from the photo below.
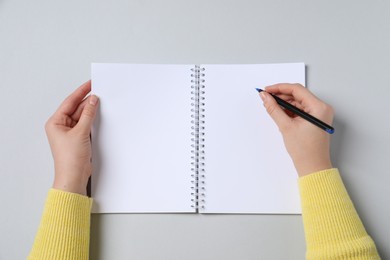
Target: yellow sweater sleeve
(65, 227)
(333, 228)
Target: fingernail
(93, 100)
(263, 96)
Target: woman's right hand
(308, 145)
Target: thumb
(88, 114)
(274, 110)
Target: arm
(65, 224)
(333, 228)
(64, 229)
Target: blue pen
(302, 114)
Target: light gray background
(46, 48)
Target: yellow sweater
(64, 229)
(332, 227)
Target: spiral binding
(197, 147)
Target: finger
(297, 104)
(76, 115)
(70, 104)
(304, 100)
(285, 97)
(274, 110)
(299, 92)
(88, 115)
(307, 100)
(290, 99)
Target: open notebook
(190, 138)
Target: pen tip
(259, 90)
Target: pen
(302, 114)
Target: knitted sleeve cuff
(333, 228)
(65, 227)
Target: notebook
(190, 138)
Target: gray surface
(46, 48)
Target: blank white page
(247, 167)
(142, 138)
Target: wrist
(72, 177)
(75, 183)
(70, 186)
(309, 166)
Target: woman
(332, 227)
